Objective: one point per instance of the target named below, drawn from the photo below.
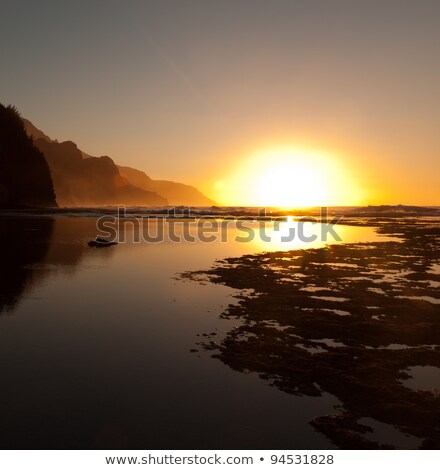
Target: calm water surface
(95, 347)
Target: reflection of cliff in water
(35, 247)
(24, 242)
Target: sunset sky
(235, 96)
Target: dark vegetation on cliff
(25, 179)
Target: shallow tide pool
(95, 346)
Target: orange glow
(290, 177)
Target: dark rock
(101, 243)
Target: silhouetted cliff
(90, 181)
(25, 179)
(178, 194)
(36, 133)
(82, 180)
(33, 132)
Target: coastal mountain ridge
(36, 133)
(93, 181)
(178, 194)
(83, 180)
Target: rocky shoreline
(348, 320)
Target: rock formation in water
(25, 179)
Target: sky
(233, 95)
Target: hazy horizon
(315, 101)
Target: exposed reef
(348, 320)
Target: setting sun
(290, 182)
(220, 229)
(290, 177)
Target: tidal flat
(358, 321)
(321, 345)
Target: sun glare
(290, 178)
(287, 183)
